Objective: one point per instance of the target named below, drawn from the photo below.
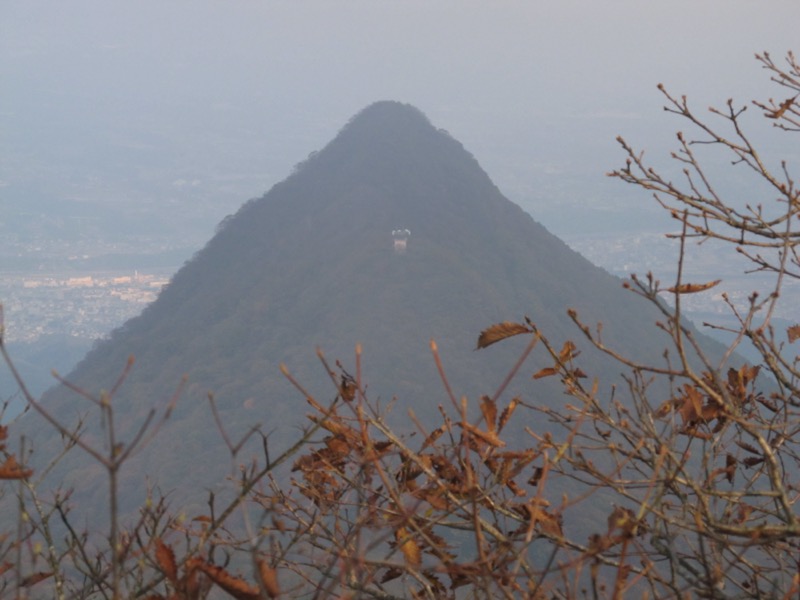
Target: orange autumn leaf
(12, 470)
(693, 288)
(546, 372)
(235, 586)
(500, 331)
(269, 579)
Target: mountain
(315, 263)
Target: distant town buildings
(81, 305)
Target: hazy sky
(173, 101)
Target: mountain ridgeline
(313, 264)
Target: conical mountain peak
(388, 118)
(387, 169)
(314, 263)
(390, 164)
(387, 129)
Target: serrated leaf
(506, 414)
(500, 331)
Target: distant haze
(163, 117)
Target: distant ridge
(312, 263)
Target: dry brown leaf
(489, 410)
(748, 447)
(782, 108)
(547, 523)
(269, 579)
(665, 408)
(165, 558)
(793, 333)
(537, 476)
(435, 497)
(35, 578)
(487, 436)
(500, 331)
(546, 372)
(11, 470)
(235, 586)
(338, 445)
(335, 426)
(693, 288)
(347, 388)
(515, 489)
(567, 352)
(433, 436)
(506, 414)
(690, 405)
(391, 573)
(730, 467)
(408, 547)
(191, 584)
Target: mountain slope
(312, 264)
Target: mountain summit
(389, 236)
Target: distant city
(85, 305)
(90, 303)
(640, 253)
